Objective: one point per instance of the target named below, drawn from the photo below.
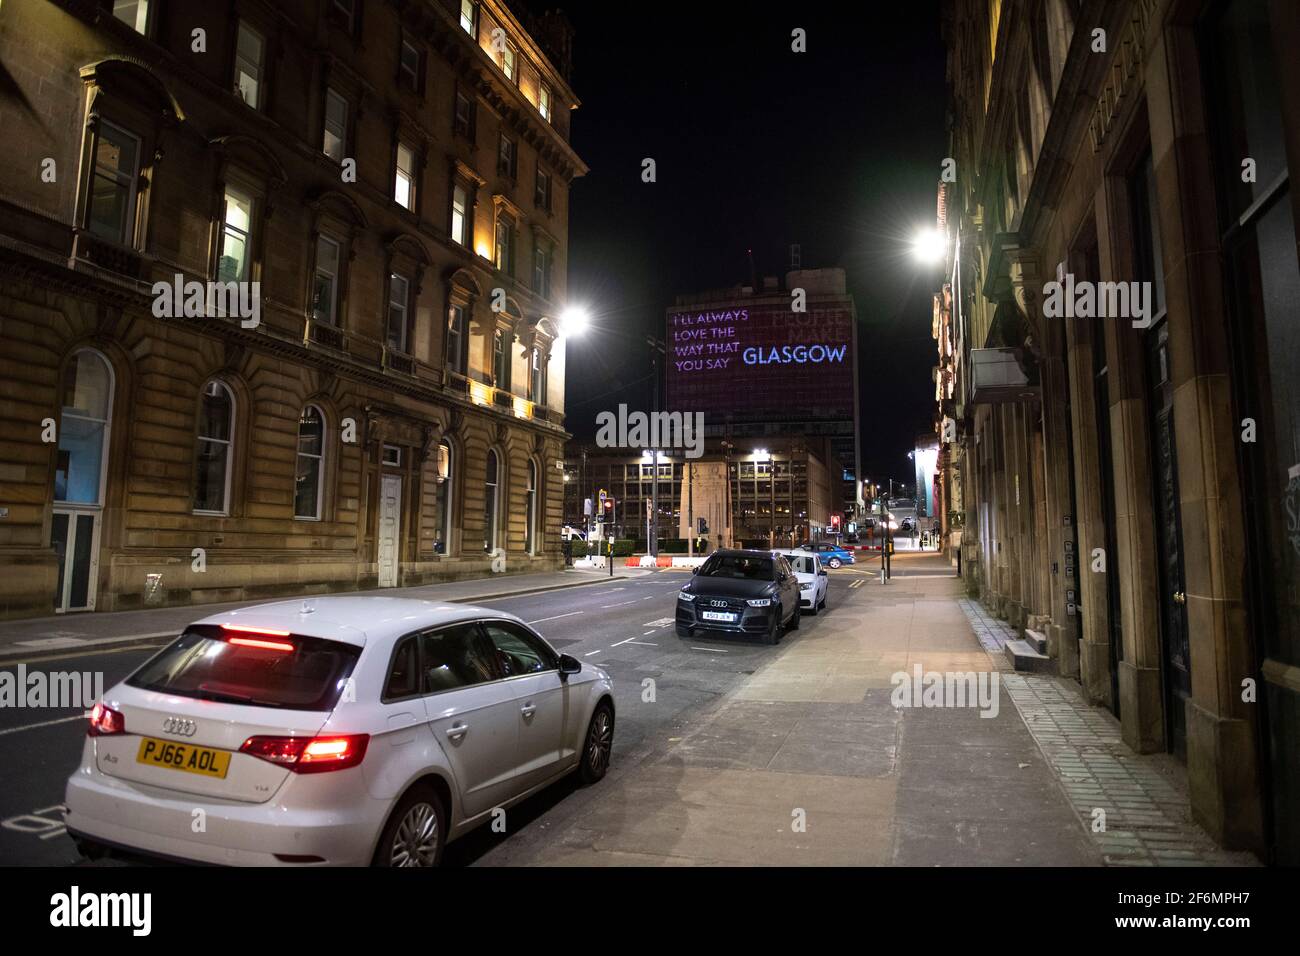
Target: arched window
(442, 498)
(213, 449)
(530, 510)
(490, 480)
(83, 429)
(310, 468)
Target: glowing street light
(929, 246)
(574, 320)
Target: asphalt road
(625, 627)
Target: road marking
(642, 643)
(556, 618)
(857, 584)
(623, 604)
(44, 723)
(660, 622)
(589, 653)
(649, 597)
(625, 642)
(715, 650)
(610, 591)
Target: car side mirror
(569, 665)
(822, 572)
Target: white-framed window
(336, 126)
(501, 358)
(456, 338)
(214, 449)
(506, 157)
(392, 455)
(543, 261)
(537, 378)
(110, 212)
(404, 181)
(249, 47)
(236, 237)
(399, 290)
(410, 62)
(491, 481)
(542, 194)
(460, 215)
(530, 509)
(509, 62)
(308, 488)
(468, 21)
(84, 422)
(503, 254)
(325, 282)
(462, 122)
(544, 102)
(134, 13)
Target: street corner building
(377, 194)
(1119, 372)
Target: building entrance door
(390, 523)
(75, 540)
(1176, 655)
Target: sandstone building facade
(1126, 485)
(392, 178)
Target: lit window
(530, 510)
(410, 64)
(460, 215)
(537, 380)
(111, 210)
(325, 283)
(310, 464)
(236, 225)
(336, 126)
(248, 65)
(505, 240)
(214, 439)
(467, 16)
(543, 260)
(83, 429)
(501, 358)
(544, 102)
(404, 187)
(134, 13)
(508, 59)
(490, 503)
(398, 309)
(442, 498)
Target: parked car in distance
(742, 592)
(813, 583)
(334, 731)
(832, 555)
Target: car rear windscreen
(801, 563)
(737, 566)
(244, 667)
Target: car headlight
(806, 587)
(686, 596)
(759, 602)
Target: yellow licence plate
(187, 757)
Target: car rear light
(248, 629)
(260, 643)
(309, 754)
(105, 721)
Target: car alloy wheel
(834, 562)
(599, 745)
(416, 841)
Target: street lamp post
(652, 532)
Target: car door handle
(460, 730)
(528, 710)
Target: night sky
(838, 149)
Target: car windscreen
(740, 566)
(802, 563)
(291, 672)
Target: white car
(812, 577)
(334, 731)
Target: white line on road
(643, 643)
(44, 723)
(715, 650)
(589, 653)
(556, 618)
(53, 833)
(624, 604)
(629, 640)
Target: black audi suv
(743, 592)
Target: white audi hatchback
(334, 731)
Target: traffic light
(702, 526)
